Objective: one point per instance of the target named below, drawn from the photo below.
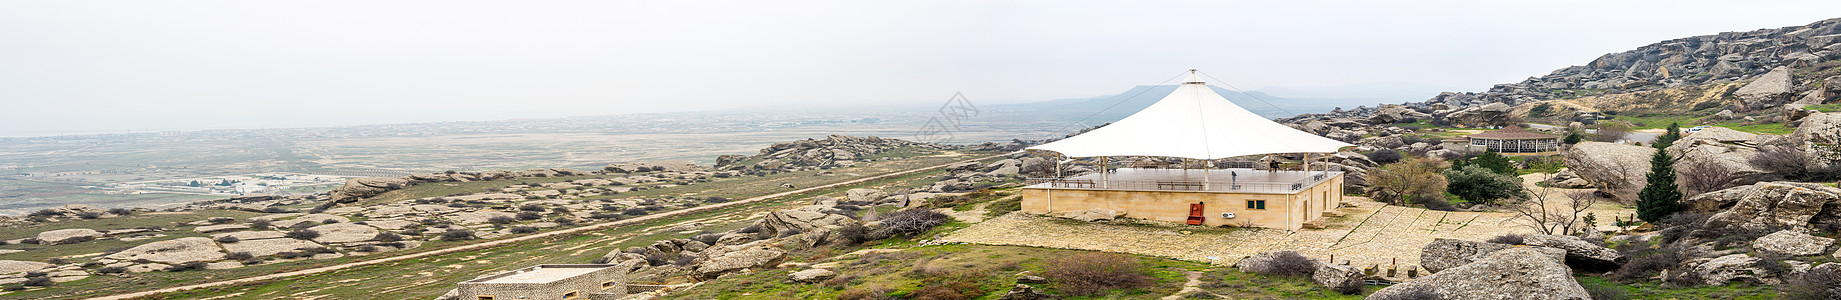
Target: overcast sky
(94, 66)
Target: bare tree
(1697, 176)
(1610, 131)
(1552, 211)
(1619, 187)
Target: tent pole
(1205, 172)
(1104, 174)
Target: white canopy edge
(1193, 122)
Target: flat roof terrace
(1231, 180)
(542, 274)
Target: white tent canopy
(1193, 122)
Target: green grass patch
(971, 271)
(1827, 108)
(1658, 120)
(1768, 128)
(1646, 290)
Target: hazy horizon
(115, 66)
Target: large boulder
(174, 251)
(1769, 90)
(802, 221)
(736, 261)
(1731, 149)
(67, 236)
(1514, 273)
(1443, 254)
(1821, 137)
(812, 275)
(1395, 113)
(1579, 253)
(344, 233)
(1344, 279)
(16, 266)
(1488, 115)
(1792, 243)
(1617, 169)
(864, 196)
(1567, 179)
(266, 247)
(1768, 205)
(360, 188)
(1734, 267)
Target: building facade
(1514, 139)
(553, 282)
(1290, 206)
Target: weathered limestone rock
(217, 228)
(315, 218)
(812, 275)
(1025, 292)
(1792, 243)
(144, 268)
(1340, 278)
(802, 221)
(736, 261)
(1617, 169)
(479, 217)
(1579, 253)
(344, 233)
(1515, 273)
(1771, 89)
(16, 266)
(1821, 136)
(266, 247)
(174, 251)
(67, 236)
(1442, 254)
(1259, 262)
(389, 224)
(250, 235)
(1720, 270)
(1090, 215)
(360, 188)
(1767, 205)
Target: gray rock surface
(1792, 243)
(1442, 254)
(812, 275)
(16, 266)
(1618, 169)
(1821, 136)
(1025, 292)
(1771, 89)
(266, 247)
(1579, 253)
(344, 233)
(736, 261)
(1768, 205)
(803, 221)
(174, 251)
(1515, 273)
(1340, 278)
(67, 236)
(218, 228)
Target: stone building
(1194, 123)
(1513, 139)
(553, 282)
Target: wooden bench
(1179, 185)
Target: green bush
(1094, 274)
(1476, 184)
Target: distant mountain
(1373, 92)
(1110, 108)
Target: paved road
(496, 243)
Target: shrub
(303, 225)
(874, 293)
(501, 220)
(89, 215)
(239, 255)
(1700, 176)
(457, 235)
(531, 207)
(303, 234)
(1660, 198)
(1435, 203)
(260, 224)
(604, 216)
(45, 213)
(635, 211)
(1477, 184)
(121, 211)
(529, 215)
(852, 235)
(317, 250)
(1781, 159)
(367, 248)
(1384, 156)
(37, 281)
(911, 221)
(112, 270)
(330, 221)
(1646, 263)
(388, 237)
(1817, 283)
(1094, 274)
(57, 261)
(1287, 264)
(277, 210)
(1510, 239)
(523, 229)
(707, 238)
(188, 266)
(290, 254)
(1408, 180)
(228, 239)
(716, 199)
(565, 221)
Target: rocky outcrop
(1729, 268)
(344, 233)
(360, 188)
(1769, 205)
(1821, 137)
(812, 275)
(864, 196)
(1340, 278)
(67, 236)
(266, 247)
(834, 150)
(174, 251)
(1566, 179)
(1792, 243)
(1731, 149)
(1617, 169)
(802, 221)
(736, 261)
(1487, 115)
(16, 266)
(1025, 292)
(1579, 253)
(1515, 273)
(650, 166)
(1767, 91)
(1395, 113)
(1443, 254)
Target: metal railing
(1184, 185)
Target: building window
(607, 285)
(485, 297)
(1256, 204)
(572, 295)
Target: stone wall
(1283, 211)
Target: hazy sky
(89, 66)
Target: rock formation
(1515, 273)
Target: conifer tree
(1660, 197)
